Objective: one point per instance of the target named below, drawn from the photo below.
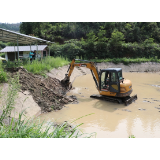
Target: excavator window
(103, 76)
(120, 75)
(114, 77)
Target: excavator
(109, 82)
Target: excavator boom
(83, 63)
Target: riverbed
(112, 120)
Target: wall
(26, 54)
(46, 52)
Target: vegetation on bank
(29, 128)
(3, 74)
(127, 61)
(48, 63)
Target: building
(11, 52)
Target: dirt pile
(48, 93)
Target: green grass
(126, 61)
(131, 136)
(40, 67)
(30, 128)
(3, 74)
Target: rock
(49, 109)
(141, 109)
(126, 110)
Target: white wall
(26, 54)
(6, 57)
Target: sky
(10, 22)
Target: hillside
(12, 27)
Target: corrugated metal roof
(11, 36)
(23, 48)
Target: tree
(101, 45)
(115, 42)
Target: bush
(2, 55)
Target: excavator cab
(110, 79)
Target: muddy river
(141, 119)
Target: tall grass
(30, 128)
(48, 63)
(3, 74)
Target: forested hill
(59, 32)
(10, 26)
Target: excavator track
(107, 98)
(126, 100)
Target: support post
(49, 50)
(17, 48)
(14, 51)
(37, 50)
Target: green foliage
(127, 61)
(48, 63)
(10, 98)
(2, 45)
(132, 136)
(13, 64)
(29, 128)
(2, 55)
(117, 38)
(3, 74)
(8, 26)
(97, 39)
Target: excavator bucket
(130, 100)
(65, 82)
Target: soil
(48, 92)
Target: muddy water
(109, 119)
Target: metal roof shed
(15, 37)
(24, 51)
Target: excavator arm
(84, 63)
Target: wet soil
(140, 118)
(48, 92)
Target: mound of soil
(48, 93)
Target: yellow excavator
(109, 82)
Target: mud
(140, 119)
(48, 92)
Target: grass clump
(45, 65)
(131, 136)
(3, 74)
